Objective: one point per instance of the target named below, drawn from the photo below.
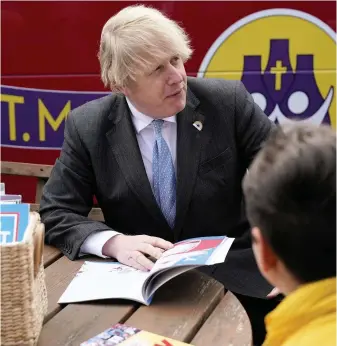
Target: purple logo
(285, 92)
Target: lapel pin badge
(198, 125)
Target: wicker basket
(23, 289)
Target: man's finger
(144, 262)
(275, 292)
(158, 242)
(131, 261)
(148, 249)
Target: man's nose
(174, 76)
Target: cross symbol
(278, 71)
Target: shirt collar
(141, 120)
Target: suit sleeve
(68, 196)
(252, 125)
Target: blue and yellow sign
(34, 118)
(286, 60)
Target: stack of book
(8, 199)
(22, 273)
(14, 217)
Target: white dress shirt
(146, 137)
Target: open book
(107, 279)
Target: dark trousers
(240, 275)
(257, 309)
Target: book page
(220, 253)
(105, 280)
(161, 277)
(191, 252)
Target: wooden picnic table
(193, 308)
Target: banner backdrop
(34, 118)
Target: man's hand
(133, 250)
(275, 292)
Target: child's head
(290, 193)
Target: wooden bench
(42, 173)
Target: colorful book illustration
(14, 219)
(121, 334)
(112, 280)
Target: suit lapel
(189, 142)
(123, 142)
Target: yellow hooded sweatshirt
(306, 317)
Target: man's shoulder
(95, 113)
(212, 86)
(96, 107)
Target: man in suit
(164, 155)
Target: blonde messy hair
(135, 39)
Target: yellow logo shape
(287, 61)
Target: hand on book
(135, 250)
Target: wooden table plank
(58, 277)
(26, 169)
(180, 306)
(228, 325)
(50, 255)
(79, 322)
(191, 308)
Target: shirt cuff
(94, 243)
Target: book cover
(122, 334)
(195, 251)
(14, 220)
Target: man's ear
(124, 91)
(121, 90)
(264, 254)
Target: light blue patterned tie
(164, 179)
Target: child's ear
(265, 256)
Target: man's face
(161, 92)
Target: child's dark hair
(290, 194)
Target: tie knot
(157, 125)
